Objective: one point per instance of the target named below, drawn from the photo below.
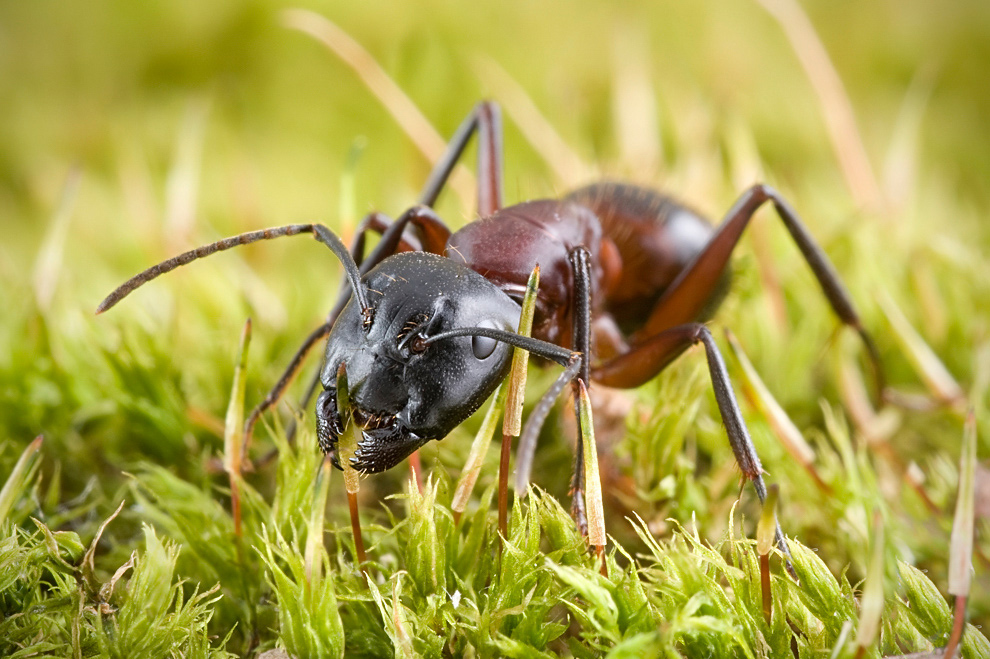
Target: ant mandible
(628, 276)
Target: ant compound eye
(483, 346)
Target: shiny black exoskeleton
(404, 391)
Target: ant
(425, 331)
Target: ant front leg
(283, 383)
(580, 261)
(486, 119)
(654, 354)
(581, 507)
(687, 296)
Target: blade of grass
(766, 532)
(515, 392)
(567, 166)
(21, 475)
(476, 456)
(183, 176)
(592, 478)
(314, 539)
(871, 602)
(931, 369)
(347, 445)
(88, 569)
(233, 432)
(634, 103)
(840, 120)
(49, 262)
(383, 87)
(520, 359)
(961, 541)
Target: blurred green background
(187, 121)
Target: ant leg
(580, 261)
(378, 223)
(432, 231)
(275, 394)
(373, 221)
(431, 235)
(655, 354)
(686, 297)
(486, 118)
(489, 158)
(581, 342)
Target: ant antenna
(337, 246)
(320, 232)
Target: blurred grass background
(132, 131)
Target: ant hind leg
(687, 296)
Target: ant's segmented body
(627, 276)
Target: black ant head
(404, 389)
(410, 380)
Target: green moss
(270, 128)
